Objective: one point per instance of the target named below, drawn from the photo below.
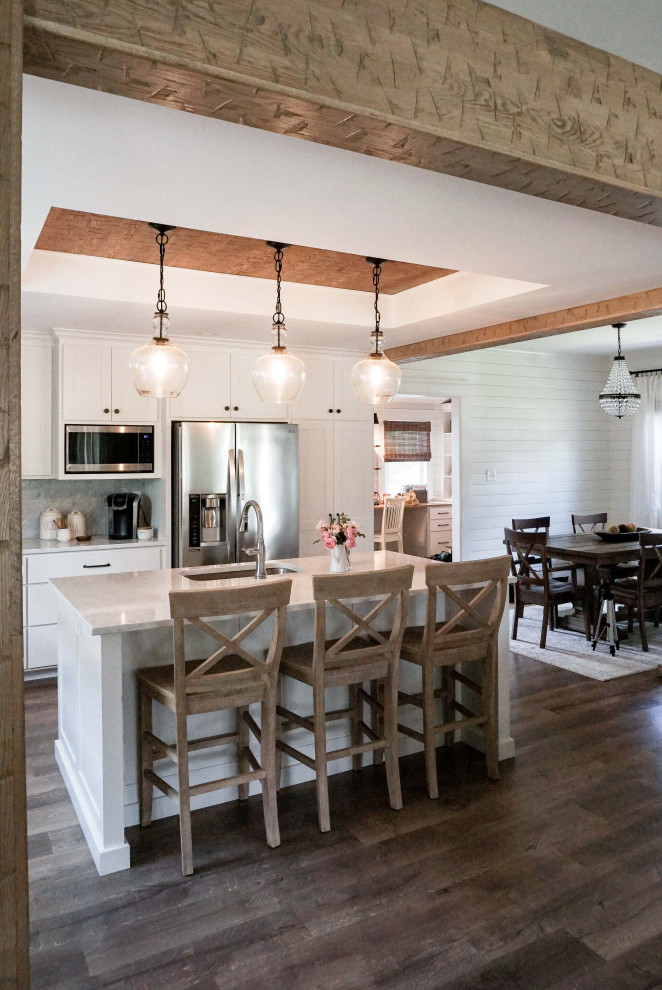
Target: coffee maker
(123, 510)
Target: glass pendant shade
(278, 376)
(620, 397)
(376, 379)
(159, 369)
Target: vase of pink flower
(339, 537)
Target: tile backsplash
(89, 497)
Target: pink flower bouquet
(340, 530)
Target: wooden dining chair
(476, 592)
(642, 593)
(392, 523)
(538, 524)
(362, 653)
(587, 521)
(230, 677)
(536, 585)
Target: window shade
(406, 441)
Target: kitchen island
(109, 626)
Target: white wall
(536, 420)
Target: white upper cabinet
(97, 385)
(86, 377)
(220, 387)
(206, 394)
(328, 393)
(36, 408)
(128, 406)
(344, 395)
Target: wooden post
(14, 965)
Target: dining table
(592, 552)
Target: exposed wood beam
(456, 86)
(619, 310)
(14, 967)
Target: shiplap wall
(534, 418)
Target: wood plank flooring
(550, 879)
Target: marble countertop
(95, 543)
(116, 603)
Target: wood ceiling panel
(73, 232)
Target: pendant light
(375, 378)
(620, 397)
(160, 369)
(278, 376)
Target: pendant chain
(161, 308)
(376, 272)
(278, 318)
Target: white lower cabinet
(39, 600)
(336, 462)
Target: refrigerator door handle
(233, 505)
(241, 486)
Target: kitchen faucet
(256, 551)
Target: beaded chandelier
(619, 396)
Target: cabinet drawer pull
(330, 410)
(227, 409)
(106, 410)
(91, 566)
(236, 408)
(338, 410)
(116, 411)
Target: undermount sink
(227, 573)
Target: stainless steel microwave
(108, 449)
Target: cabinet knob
(117, 410)
(338, 410)
(330, 410)
(227, 409)
(106, 410)
(236, 408)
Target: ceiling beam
(599, 314)
(456, 86)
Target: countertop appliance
(216, 469)
(123, 515)
(108, 449)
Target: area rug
(569, 649)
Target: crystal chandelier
(375, 378)
(278, 376)
(159, 368)
(619, 397)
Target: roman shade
(406, 441)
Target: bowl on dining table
(629, 536)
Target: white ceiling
(629, 28)
(99, 153)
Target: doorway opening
(417, 451)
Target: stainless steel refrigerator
(216, 468)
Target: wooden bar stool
(392, 522)
(231, 677)
(362, 653)
(478, 589)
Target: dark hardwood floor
(550, 878)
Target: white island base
(111, 625)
